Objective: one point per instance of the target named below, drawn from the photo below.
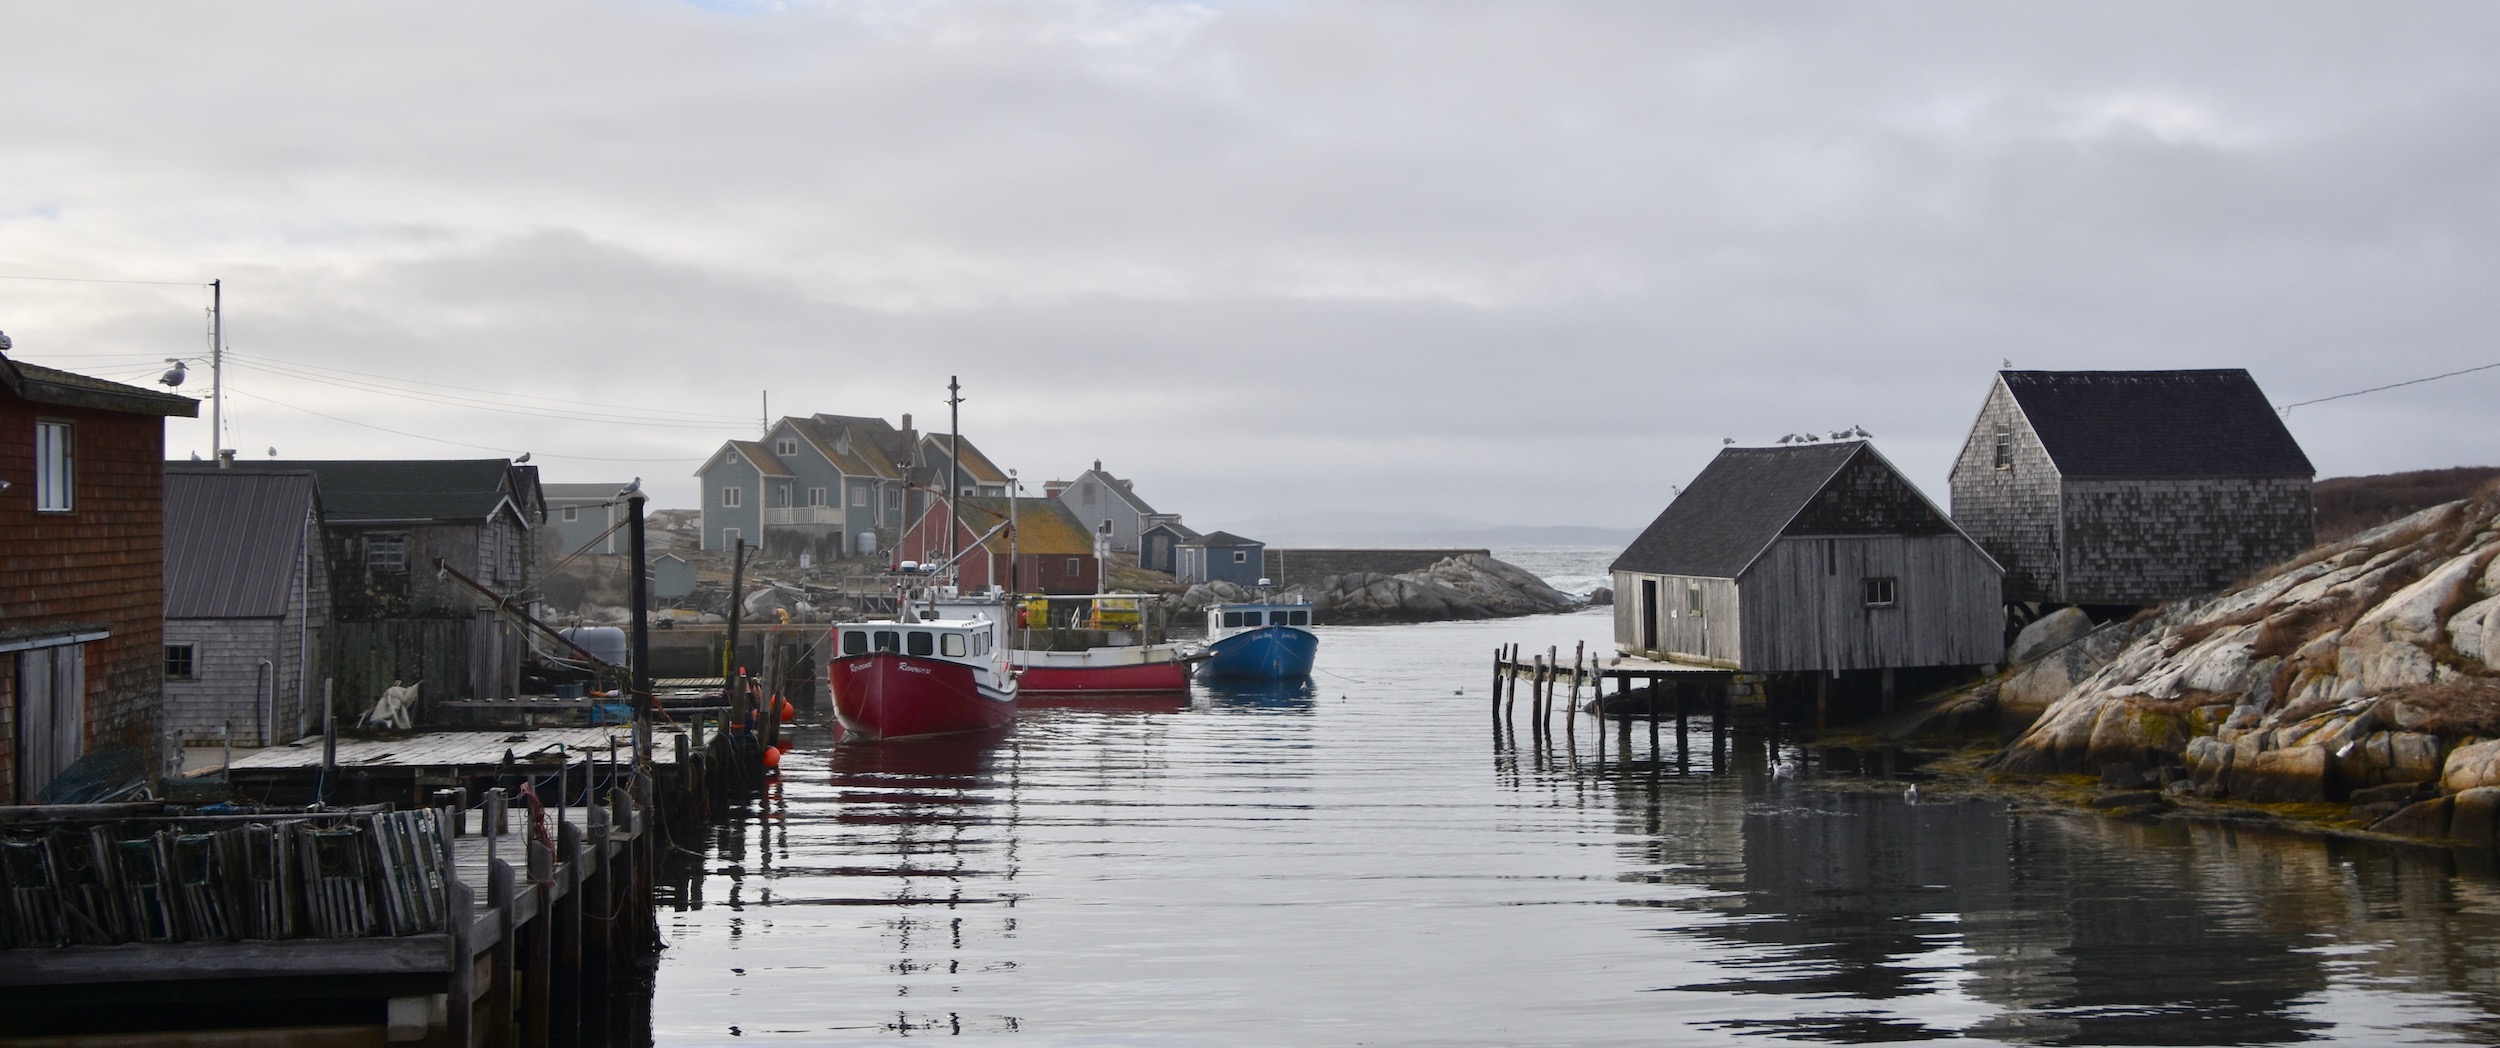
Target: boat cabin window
(889, 640)
(854, 642)
(951, 645)
(1300, 618)
(921, 643)
(1231, 619)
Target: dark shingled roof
(2157, 424)
(359, 490)
(45, 385)
(1222, 538)
(233, 541)
(1733, 510)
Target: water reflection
(1892, 920)
(1296, 695)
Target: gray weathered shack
(1815, 558)
(247, 604)
(2131, 487)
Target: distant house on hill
(580, 515)
(1053, 553)
(1109, 506)
(2131, 487)
(82, 571)
(247, 603)
(1158, 547)
(1817, 558)
(1221, 556)
(830, 486)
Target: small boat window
(889, 640)
(854, 642)
(951, 645)
(921, 643)
(1231, 619)
(1301, 618)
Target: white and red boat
(897, 679)
(1095, 643)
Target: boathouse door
(1649, 614)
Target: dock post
(1822, 698)
(1683, 742)
(1553, 676)
(460, 920)
(537, 944)
(1571, 713)
(1497, 682)
(1510, 689)
(1887, 671)
(565, 1020)
(501, 889)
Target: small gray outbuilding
(247, 604)
(1817, 558)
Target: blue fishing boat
(1259, 641)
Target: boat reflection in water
(1245, 693)
(1109, 701)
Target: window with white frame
(178, 662)
(2005, 447)
(859, 495)
(1880, 592)
(732, 496)
(815, 496)
(55, 467)
(572, 513)
(387, 552)
(785, 446)
(1241, 556)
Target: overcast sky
(1516, 262)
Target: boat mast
(954, 462)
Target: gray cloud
(1518, 263)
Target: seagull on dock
(1910, 796)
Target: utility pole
(217, 372)
(640, 656)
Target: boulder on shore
(1468, 586)
(2358, 664)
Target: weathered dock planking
(496, 919)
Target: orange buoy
(788, 712)
(784, 744)
(772, 758)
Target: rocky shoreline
(1468, 586)
(2348, 691)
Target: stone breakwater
(2360, 673)
(1467, 586)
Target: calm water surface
(1360, 862)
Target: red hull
(1152, 676)
(888, 696)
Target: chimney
(1097, 465)
(906, 422)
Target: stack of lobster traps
(222, 877)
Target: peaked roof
(1120, 489)
(977, 466)
(1737, 507)
(1222, 538)
(2213, 423)
(1042, 525)
(44, 385)
(233, 540)
(754, 452)
(1184, 531)
(410, 490)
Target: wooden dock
(501, 925)
(1667, 690)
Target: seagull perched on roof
(525, 456)
(1725, 441)
(1861, 432)
(632, 489)
(1789, 439)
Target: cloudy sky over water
(1512, 262)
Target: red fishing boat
(1099, 642)
(900, 679)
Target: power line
(101, 280)
(605, 417)
(2287, 408)
(469, 396)
(443, 440)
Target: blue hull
(1267, 653)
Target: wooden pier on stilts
(1642, 690)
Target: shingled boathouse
(1815, 560)
(2130, 488)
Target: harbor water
(1366, 860)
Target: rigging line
(508, 409)
(101, 280)
(456, 443)
(2287, 408)
(281, 362)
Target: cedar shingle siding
(98, 567)
(1763, 563)
(2131, 487)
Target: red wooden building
(1053, 552)
(82, 570)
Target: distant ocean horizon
(1576, 570)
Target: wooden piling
(1510, 689)
(1497, 682)
(1571, 713)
